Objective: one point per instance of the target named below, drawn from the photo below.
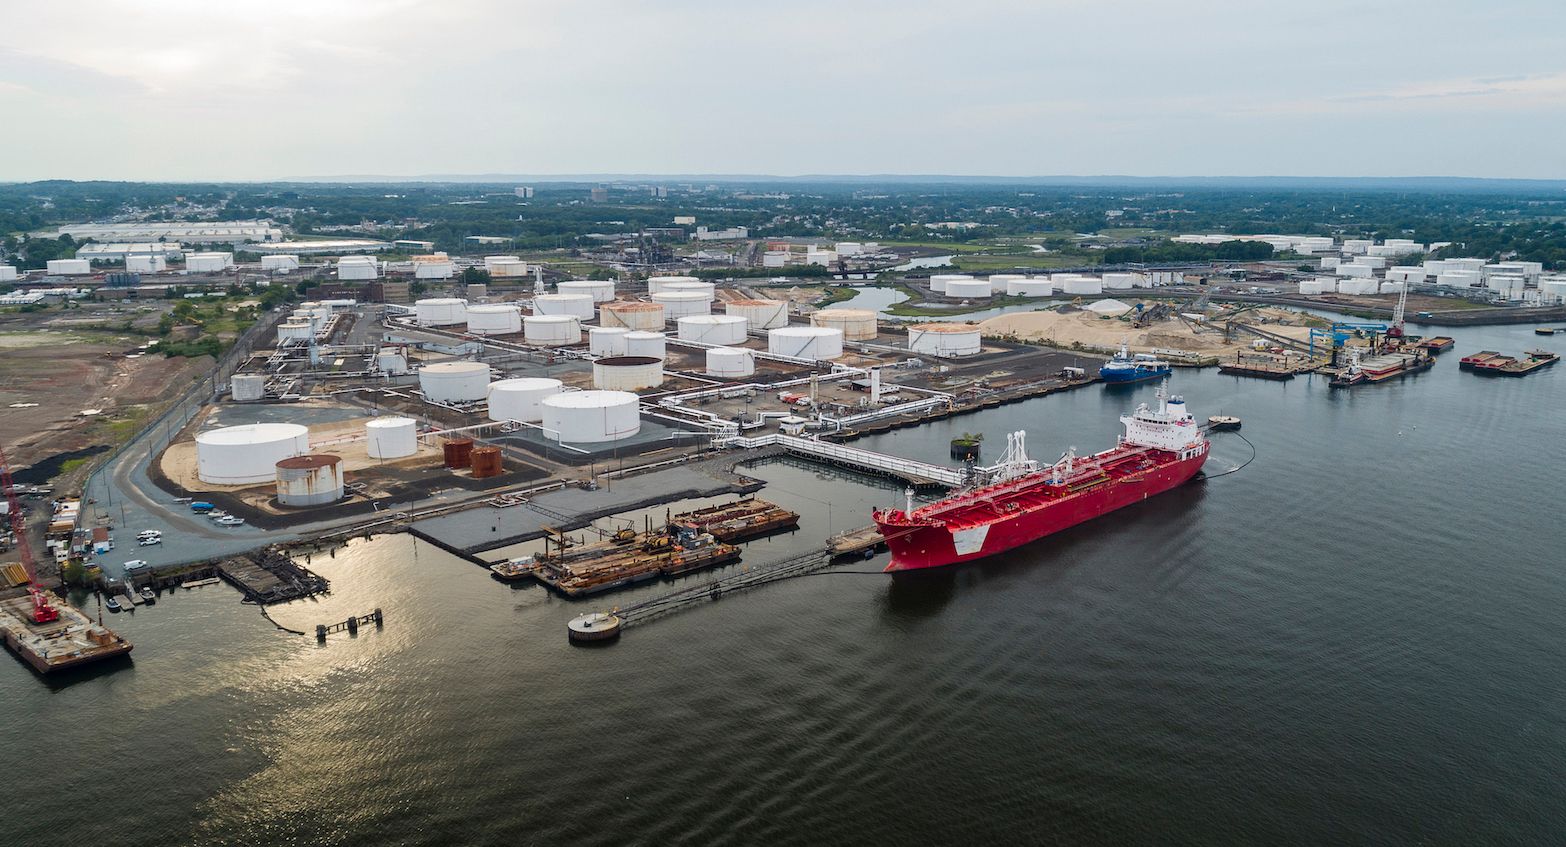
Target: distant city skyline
(185, 90)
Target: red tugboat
(1021, 501)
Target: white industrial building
(209, 262)
(123, 251)
(68, 267)
(358, 268)
(280, 263)
(230, 232)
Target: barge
(71, 640)
(594, 568)
(1382, 367)
(1490, 363)
(739, 521)
(1436, 344)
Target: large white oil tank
(631, 315)
(1078, 284)
(1122, 281)
(247, 454)
(357, 267)
(627, 373)
(806, 342)
(68, 267)
(454, 382)
(601, 290)
(148, 264)
(729, 362)
(521, 399)
(678, 304)
(584, 417)
(855, 324)
(638, 343)
(606, 340)
(968, 289)
(656, 284)
(552, 330)
(698, 286)
(292, 330)
(944, 339)
(938, 282)
(311, 480)
(8, 273)
(494, 319)
(761, 314)
(280, 263)
(1030, 287)
(579, 306)
(391, 362)
(440, 311)
(713, 329)
(391, 437)
(246, 387)
(1001, 283)
(209, 262)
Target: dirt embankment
(1091, 330)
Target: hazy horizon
(186, 91)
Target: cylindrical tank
(494, 319)
(601, 290)
(631, 315)
(697, 286)
(1121, 281)
(856, 324)
(729, 362)
(391, 362)
(713, 329)
(1078, 284)
(552, 330)
(627, 373)
(244, 387)
(806, 342)
(486, 462)
(579, 306)
(606, 340)
(454, 382)
(294, 331)
(585, 417)
(311, 480)
(944, 339)
(938, 282)
(645, 344)
(391, 437)
(249, 453)
(457, 453)
(762, 314)
(520, 399)
(1001, 283)
(656, 284)
(1025, 287)
(440, 311)
(968, 289)
(679, 304)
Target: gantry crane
(43, 610)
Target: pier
(270, 576)
(920, 475)
(350, 626)
(863, 541)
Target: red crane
(43, 611)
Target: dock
(919, 475)
(270, 576)
(741, 520)
(862, 541)
(69, 642)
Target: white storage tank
(1001, 283)
(697, 286)
(855, 324)
(679, 304)
(713, 329)
(454, 382)
(944, 339)
(938, 282)
(627, 373)
(295, 331)
(1030, 287)
(585, 417)
(391, 362)
(1121, 281)
(68, 267)
(494, 319)
(601, 290)
(391, 437)
(579, 306)
(631, 315)
(968, 289)
(280, 263)
(247, 454)
(521, 399)
(148, 264)
(247, 387)
(552, 330)
(1078, 284)
(8, 273)
(806, 342)
(440, 311)
(357, 267)
(730, 362)
(656, 284)
(760, 314)
(209, 262)
(1392, 287)
(311, 480)
(638, 343)
(606, 340)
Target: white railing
(848, 455)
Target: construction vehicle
(43, 610)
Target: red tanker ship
(1021, 500)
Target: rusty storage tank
(458, 453)
(486, 462)
(313, 479)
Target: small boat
(1544, 330)
(1223, 423)
(514, 570)
(112, 603)
(148, 596)
(1123, 368)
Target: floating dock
(1491, 363)
(628, 559)
(71, 641)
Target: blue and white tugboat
(1124, 367)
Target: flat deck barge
(1490, 363)
(595, 568)
(69, 642)
(739, 521)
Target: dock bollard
(378, 618)
(353, 626)
(320, 632)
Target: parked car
(135, 565)
(149, 540)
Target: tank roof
(308, 461)
(946, 327)
(626, 361)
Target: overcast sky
(258, 89)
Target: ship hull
(919, 546)
(1123, 377)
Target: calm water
(1356, 639)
